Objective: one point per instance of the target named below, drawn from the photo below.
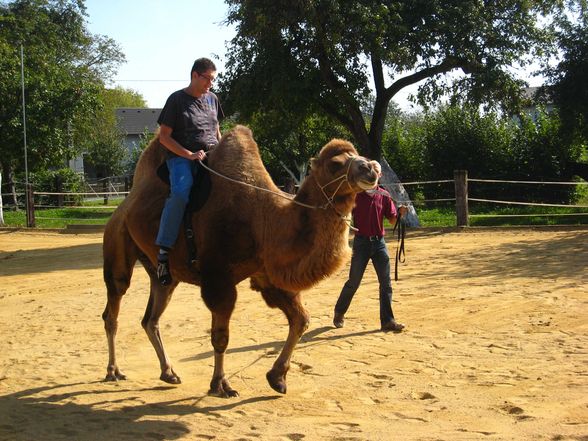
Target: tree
(487, 145)
(301, 54)
(101, 138)
(568, 82)
(64, 67)
(287, 151)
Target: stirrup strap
(190, 244)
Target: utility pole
(29, 196)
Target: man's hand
(198, 156)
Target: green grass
(432, 217)
(505, 216)
(95, 214)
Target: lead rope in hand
(400, 255)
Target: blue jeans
(181, 177)
(365, 249)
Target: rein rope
(343, 178)
(400, 254)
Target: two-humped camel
(284, 246)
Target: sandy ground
(495, 348)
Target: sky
(162, 38)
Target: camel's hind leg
(159, 298)
(120, 255)
(298, 320)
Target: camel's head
(338, 161)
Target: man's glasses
(207, 77)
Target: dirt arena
(495, 348)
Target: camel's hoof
(115, 376)
(222, 393)
(222, 389)
(170, 378)
(277, 382)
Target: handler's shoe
(163, 273)
(338, 320)
(393, 326)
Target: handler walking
(371, 206)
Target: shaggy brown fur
(241, 232)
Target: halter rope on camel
(342, 178)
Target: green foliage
(101, 138)
(61, 180)
(64, 70)
(131, 163)
(291, 149)
(403, 147)
(432, 146)
(296, 57)
(569, 78)
(107, 152)
(46, 180)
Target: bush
(56, 181)
(488, 147)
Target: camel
(247, 228)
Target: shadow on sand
(47, 413)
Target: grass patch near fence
(96, 213)
(505, 216)
(89, 213)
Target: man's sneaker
(393, 326)
(163, 273)
(338, 320)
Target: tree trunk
(8, 173)
(1, 208)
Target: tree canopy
(569, 78)
(103, 141)
(305, 56)
(65, 67)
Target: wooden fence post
(59, 189)
(30, 206)
(461, 197)
(106, 189)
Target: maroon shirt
(371, 207)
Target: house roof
(134, 120)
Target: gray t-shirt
(193, 120)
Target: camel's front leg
(220, 294)
(219, 385)
(298, 319)
(158, 300)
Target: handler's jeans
(365, 249)
(181, 177)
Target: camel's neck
(314, 241)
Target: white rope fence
(530, 204)
(114, 195)
(502, 202)
(117, 195)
